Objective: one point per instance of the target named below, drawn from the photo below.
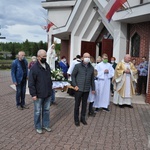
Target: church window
(135, 45)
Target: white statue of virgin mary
(51, 54)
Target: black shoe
(97, 110)
(54, 103)
(106, 109)
(129, 106)
(91, 114)
(84, 122)
(77, 123)
(121, 106)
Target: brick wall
(143, 29)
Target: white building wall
(59, 16)
(75, 47)
(133, 3)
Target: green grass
(6, 63)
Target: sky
(21, 20)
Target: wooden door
(107, 47)
(89, 47)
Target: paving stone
(120, 129)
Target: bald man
(123, 80)
(40, 87)
(82, 79)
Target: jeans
(53, 96)
(42, 112)
(20, 93)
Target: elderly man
(19, 73)
(82, 79)
(40, 87)
(123, 82)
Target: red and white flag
(48, 26)
(44, 27)
(112, 7)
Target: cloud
(21, 20)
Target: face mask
(105, 60)
(86, 60)
(112, 61)
(64, 59)
(43, 60)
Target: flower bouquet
(57, 75)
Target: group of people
(38, 73)
(91, 84)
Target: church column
(120, 41)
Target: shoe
(97, 110)
(77, 123)
(84, 122)
(47, 129)
(129, 106)
(54, 103)
(39, 131)
(121, 106)
(91, 114)
(106, 109)
(25, 107)
(62, 90)
(19, 108)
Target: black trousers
(80, 96)
(142, 80)
(91, 107)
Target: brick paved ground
(120, 129)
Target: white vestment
(91, 97)
(127, 97)
(74, 62)
(51, 54)
(102, 96)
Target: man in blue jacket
(19, 72)
(40, 87)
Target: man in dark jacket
(19, 72)
(40, 87)
(82, 80)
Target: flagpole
(128, 7)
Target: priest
(123, 80)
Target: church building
(82, 26)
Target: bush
(4, 66)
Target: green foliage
(30, 48)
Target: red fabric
(49, 26)
(115, 6)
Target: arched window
(135, 45)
